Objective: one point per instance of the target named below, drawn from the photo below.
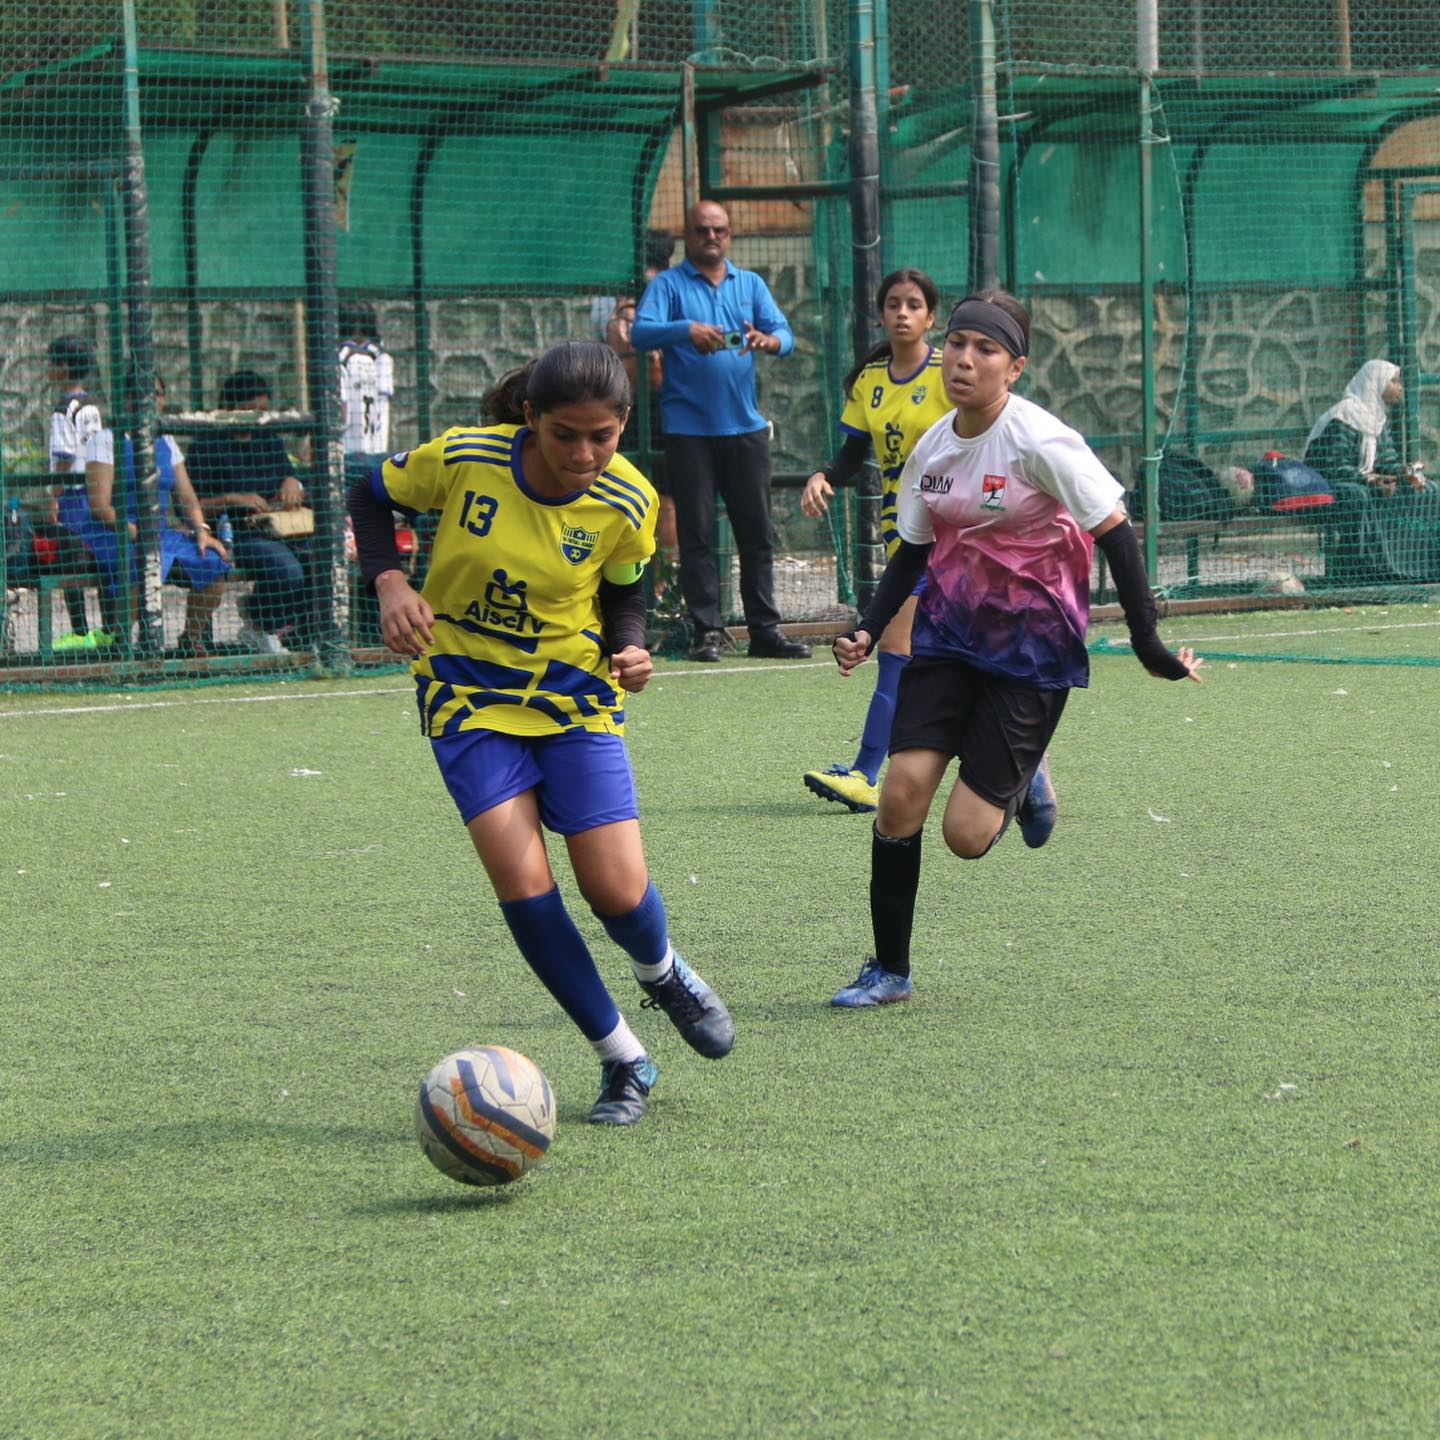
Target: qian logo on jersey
(577, 544)
(992, 492)
(399, 458)
(504, 612)
(936, 484)
(918, 394)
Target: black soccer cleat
(695, 1010)
(625, 1087)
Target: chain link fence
(1218, 213)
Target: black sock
(894, 879)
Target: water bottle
(224, 530)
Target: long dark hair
(566, 374)
(906, 275)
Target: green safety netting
(1292, 225)
(432, 157)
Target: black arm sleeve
(901, 576)
(845, 464)
(622, 610)
(1121, 548)
(374, 527)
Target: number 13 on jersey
(484, 508)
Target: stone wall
(1262, 360)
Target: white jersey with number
(367, 383)
(74, 423)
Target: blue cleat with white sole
(1036, 816)
(874, 985)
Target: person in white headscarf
(1386, 521)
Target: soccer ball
(485, 1116)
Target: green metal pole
(888, 258)
(865, 265)
(140, 374)
(1148, 56)
(329, 571)
(984, 151)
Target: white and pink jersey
(1008, 584)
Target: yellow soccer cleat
(851, 788)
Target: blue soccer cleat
(695, 1010)
(625, 1087)
(1039, 808)
(874, 985)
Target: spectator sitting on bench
(246, 474)
(192, 557)
(1386, 518)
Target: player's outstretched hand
(405, 617)
(850, 650)
(815, 497)
(1191, 661)
(631, 668)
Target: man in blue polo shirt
(710, 318)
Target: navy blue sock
(875, 738)
(643, 934)
(556, 951)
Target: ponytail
(504, 402)
(883, 351)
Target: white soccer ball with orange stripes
(486, 1115)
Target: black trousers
(737, 468)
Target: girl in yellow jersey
(893, 396)
(529, 629)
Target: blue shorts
(182, 561)
(581, 778)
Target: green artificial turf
(1152, 1152)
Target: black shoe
(695, 1010)
(707, 645)
(772, 645)
(624, 1091)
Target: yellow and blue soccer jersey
(893, 414)
(514, 583)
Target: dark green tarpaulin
(481, 139)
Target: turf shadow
(462, 1198)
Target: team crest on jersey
(992, 490)
(918, 394)
(399, 458)
(577, 544)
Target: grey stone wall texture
(1268, 360)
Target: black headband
(987, 318)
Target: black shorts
(998, 728)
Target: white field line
(662, 673)
(407, 690)
(1364, 628)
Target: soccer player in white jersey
(367, 383)
(74, 423)
(1001, 505)
(529, 629)
(893, 396)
